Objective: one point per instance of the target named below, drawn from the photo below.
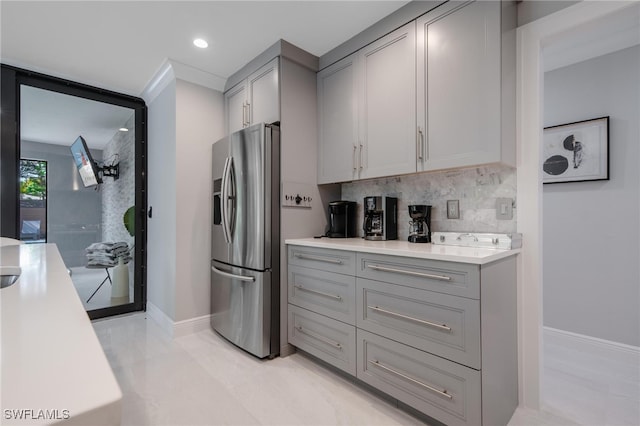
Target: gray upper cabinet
(235, 107)
(464, 112)
(437, 93)
(337, 122)
(387, 108)
(366, 107)
(254, 100)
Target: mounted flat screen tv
(87, 168)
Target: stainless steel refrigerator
(245, 244)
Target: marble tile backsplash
(119, 195)
(475, 188)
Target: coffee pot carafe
(420, 223)
(380, 218)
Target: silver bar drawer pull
(412, 380)
(427, 323)
(318, 259)
(415, 274)
(332, 296)
(318, 337)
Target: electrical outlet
(504, 208)
(453, 209)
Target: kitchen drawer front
(323, 292)
(458, 279)
(444, 390)
(444, 325)
(332, 341)
(338, 261)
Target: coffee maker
(380, 218)
(342, 219)
(420, 223)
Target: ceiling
(56, 118)
(121, 45)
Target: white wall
(591, 230)
(199, 120)
(161, 228)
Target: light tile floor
(86, 281)
(201, 379)
(590, 387)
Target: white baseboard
(619, 352)
(162, 319)
(192, 325)
(177, 328)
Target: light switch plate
(453, 209)
(504, 208)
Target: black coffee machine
(380, 218)
(342, 219)
(420, 224)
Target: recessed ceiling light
(123, 129)
(200, 43)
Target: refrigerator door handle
(234, 276)
(229, 197)
(223, 203)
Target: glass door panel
(81, 193)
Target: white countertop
(479, 256)
(51, 357)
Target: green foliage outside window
(33, 178)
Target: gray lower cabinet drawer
(444, 390)
(444, 325)
(458, 279)
(326, 293)
(338, 261)
(332, 341)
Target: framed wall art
(576, 152)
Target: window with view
(33, 201)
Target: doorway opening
(74, 174)
(591, 324)
(533, 40)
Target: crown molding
(170, 70)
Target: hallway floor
(202, 379)
(86, 281)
